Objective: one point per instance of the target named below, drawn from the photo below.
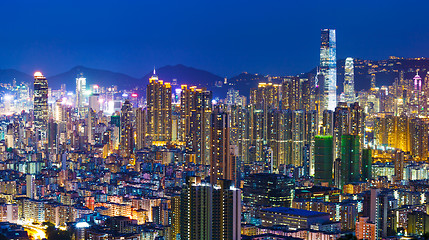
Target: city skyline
(340, 151)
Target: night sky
(223, 37)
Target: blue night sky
(223, 37)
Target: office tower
(226, 212)
(416, 97)
(319, 85)
(366, 164)
(158, 97)
(80, 94)
(323, 159)
(30, 186)
(350, 171)
(41, 112)
(221, 166)
(328, 67)
(199, 135)
(127, 130)
(140, 128)
(349, 82)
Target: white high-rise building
(80, 94)
(349, 82)
(328, 67)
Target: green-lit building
(349, 159)
(366, 164)
(323, 159)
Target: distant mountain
(7, 76)
(244, 82)
(93, 76)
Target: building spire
(154, 71)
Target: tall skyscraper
(140, 128)
(158, 97)
(328, 67)
(80, 94)
(127, 130)
(41, 112)
(221, 166)
(349, 82)
(199, 136)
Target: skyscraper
(324, 158)
(328, 67)
(140, 128)
(350, 171)
(127, 131)
(221, 166)
(349, 82)
(41, 113)
(80, 94)
(158, 96)
(209, 211)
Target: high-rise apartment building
(140, 128)
(221, 166)
(323, 157)
(127, 130)
(328, 67)
(159, 113)
(350, 171)
(209, 211)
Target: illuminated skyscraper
(127, 131)
(41, 113)
(349, 82)
(199, 136)
(140, 128)
(221, 166)
(80, 94)
(159, 109)
(328, 67)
